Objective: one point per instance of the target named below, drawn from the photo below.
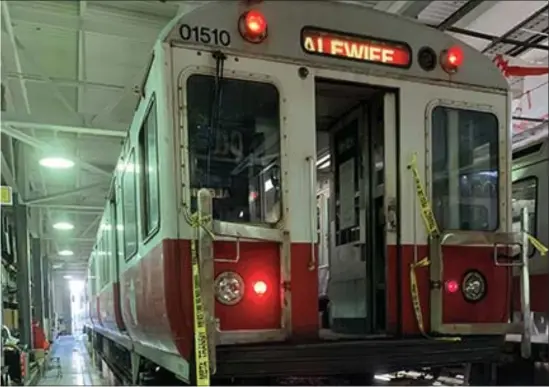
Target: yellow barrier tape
(433, 231)
(537, 245)
(415, 293)
(202, 357)
(425, 205)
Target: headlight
(229, 288)
(473, 286)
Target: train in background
(531, 190)
(239, 105)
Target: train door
(357, 118)
(530, 190)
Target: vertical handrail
(526, 341)
(312, 183)
(206, 262)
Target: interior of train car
(352, 250)
(350, 200)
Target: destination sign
(318, 41)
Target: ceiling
(69, 70)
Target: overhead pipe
(67, 129)
(483, 36)
(516, 51)
(459, 14)
(516, 28)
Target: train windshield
(234, 147)
(465, 169)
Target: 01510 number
(205, 35)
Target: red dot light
(455, 56)
(255, 23)
(452, 286)
(252, 26)
(260, 288)
(451, 59)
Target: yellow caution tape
(433, 231)
(202, 357)
(415, 293)
(537, 245)
(425, 206)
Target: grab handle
(312, 195)
(526, 342)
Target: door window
(465, 178)
(234, 147)
(525, 196)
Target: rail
(526, 341)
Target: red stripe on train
(163, 287)
(539, 293)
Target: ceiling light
(56, 163)
(66, 253)
(57, 266)
(323, 159)
(63, 226)
(325, 165)
(67, 276)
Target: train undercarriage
(374, 361)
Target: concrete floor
(70, 365)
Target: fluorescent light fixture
(268, 185)
(66, 253)
(56, 163)
(63, 226)
(325, 165)
(57, 265)
(323, 159)
(67, 276)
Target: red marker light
(260, 288)
(452, 59)
(255, 23)
(455, 56)
(452, 286)
(253, 26)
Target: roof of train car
(286, 20)
(531, 153)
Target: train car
(531, 191)
(239, 103)
(91, 292)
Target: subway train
(209, 262)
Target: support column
(37, 281)
(23, 271)
(53, 306)
(47, 300)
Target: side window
(525, 195)
(119, 227)
(107, 244)
(148, 150)
(92, 274)
(129, 199)
(465, 176)
(113, 237)
(104, 260)
(234, 149)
